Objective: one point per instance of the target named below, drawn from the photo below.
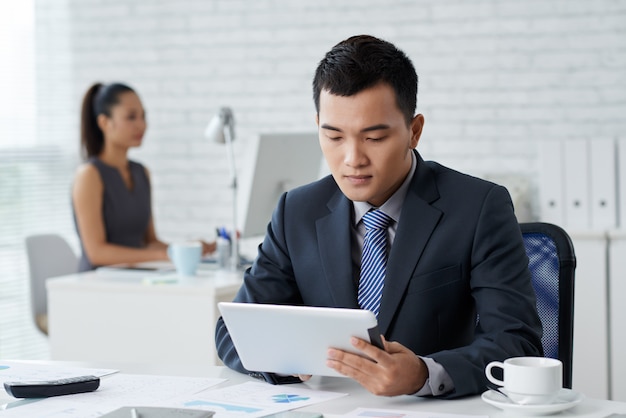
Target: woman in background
(111, 195)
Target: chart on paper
(252, 399)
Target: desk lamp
(221, 130)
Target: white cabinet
(617, 311)
(590, 369)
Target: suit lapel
(334, 238)
(417, 222)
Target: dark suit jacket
(457, 287)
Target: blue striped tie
(373, 260)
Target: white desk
(358, 397)
(113, 316)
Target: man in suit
(456, 290)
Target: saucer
(566, 399)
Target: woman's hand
(208, 247)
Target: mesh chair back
(552, 263)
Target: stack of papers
(119, 390)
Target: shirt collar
(393, 206)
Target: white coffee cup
(529, 380)
(186, 256)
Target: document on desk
(136, 270)
(396, 413)
(114, 392)
(252, 399)
(31, 371)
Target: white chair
(49, 255)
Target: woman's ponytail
(98, 100)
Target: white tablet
(294, 339)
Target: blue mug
(186, 256)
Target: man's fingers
(349, 364)
(374, 353)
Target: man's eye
(380, 138)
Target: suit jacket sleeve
(269, 280)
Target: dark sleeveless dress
(126, 213)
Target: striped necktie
(373, 260)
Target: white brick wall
(495, 78)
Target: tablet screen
(294, 339)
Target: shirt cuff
(275, 379)
(438, 382)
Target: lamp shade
(221, 121)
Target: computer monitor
(280, 162)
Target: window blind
(34, 182)
(34, 198)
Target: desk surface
(114, 279)
(358, 397)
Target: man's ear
(417, 124)
(317, 119)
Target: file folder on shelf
(551, 181)
(603, 183)
(621, 183)
(576, 184)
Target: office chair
(49, 255)
(552, 262)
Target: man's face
(366, 142)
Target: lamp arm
(234, 258)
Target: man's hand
(394, 371)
